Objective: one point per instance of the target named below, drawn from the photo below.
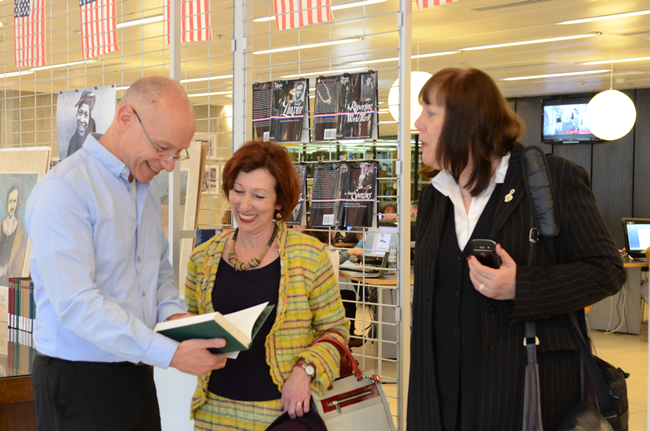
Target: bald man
(101, 271)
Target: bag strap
(348, 364)
(606, 398)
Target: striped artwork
(195, 20)
(299, 13)
(98, 25)
(29, 33)
(422, 4)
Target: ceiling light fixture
(622, 60)
(339, 7)
(309, 45)
(604, 17)
(610, 114)
(147, 20)
(218, 93)
(325, 72)
(556, 75)
(22, 72)
(531, 42)
(56, 66)
(384, 60)
(209, 78)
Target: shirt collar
(443, 180)
(114, 165)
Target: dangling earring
(278, 216)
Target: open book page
(249, 321)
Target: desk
(624, 308)
(387, 300)
(16, 399)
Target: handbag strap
(606, 398)
(348, 364)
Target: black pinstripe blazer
(589, 269)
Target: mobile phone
(485, 251)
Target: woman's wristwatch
(309, 369)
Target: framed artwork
(20, 170)
(190, 172)
(81, 112)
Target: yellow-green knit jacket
(309, 303)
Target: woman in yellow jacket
(262, 261)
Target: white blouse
(465, 223)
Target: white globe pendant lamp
(610, 115)
(418, 79)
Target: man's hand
(192, 356)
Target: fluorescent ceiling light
(324, 72)
(22, 72)
(384, 60)
(209, 78)
(218, 93)
(339, 7)
(147, 20)
(309, 45)
(55, 66)
(557, 75)
(622, 60)
(530, 42)
(604, 17)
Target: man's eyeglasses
(163, 156)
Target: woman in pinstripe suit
(467, 358)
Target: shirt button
(144, 294)
(490, 308)
(456, 293)
(456, 331)
(124, 171)
(139, 259)
(460, 257)
(492, 346)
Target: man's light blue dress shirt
(99, 261)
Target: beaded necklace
(243, 266)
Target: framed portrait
(191, 174)
(81, 112)
(20, 170)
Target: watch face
(309, 369)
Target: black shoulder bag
(608, 381)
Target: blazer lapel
(513, 191)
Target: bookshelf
(16, 398)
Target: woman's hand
(296, 393)
(494, 283)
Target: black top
(457, 324)
(247, 378)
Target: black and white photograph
(80, 113)
(359, 194)
(326, 108)
(299, 210)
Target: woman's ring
(299, 404)
(481, 286)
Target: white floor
(628, 352)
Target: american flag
(195, 21)
(29, 33)
(298, 13)
(98, 23)
(422, 4)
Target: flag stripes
(422, 4)
(29, 33)
(98, 28)
(299, 13)
(195, 20)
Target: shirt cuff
(161, 351)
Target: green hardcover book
(238, 329)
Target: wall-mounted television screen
(564, 121)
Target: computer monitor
(378, 241)
(637, 236)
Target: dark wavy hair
(275, 159)
(477, 122)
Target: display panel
(564, 121)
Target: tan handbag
(353, 401)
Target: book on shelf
(238, 328)
(21, 309)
